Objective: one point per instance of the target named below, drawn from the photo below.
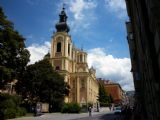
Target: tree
(103, 96)
(110, 99)
(13, 55)
(40, 83)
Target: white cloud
(81, 13)
(109, 67)
(38, 51)
(117, 6)
(77, 7)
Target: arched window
(59, 47)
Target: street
(82, 116)
(100, 117)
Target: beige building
(9, 87)
(72, 64)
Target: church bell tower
(61, 47)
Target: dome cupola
(62, 26)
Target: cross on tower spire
(63, 6)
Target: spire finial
(82, 47)
(63, 6)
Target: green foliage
(75, 108)
(13, 55)
(104, 104)
(90, 104)
(12, 112)
(103, 98)
(47, 56)
(71, 108)
(65, 108)
(9, 106)
(9, 113)
(41, 83)
(20, 111)
(84, 108)
(8, 103)
(110, 99)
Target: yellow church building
(71, 62)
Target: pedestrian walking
(110, 107)
(90, 110)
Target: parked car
(117, 110)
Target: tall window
(81, 57)
(82, 84)
(59, 47)
(69, 49)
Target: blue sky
(96, 25)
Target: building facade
(9, 87)
(143, 37)
(71, 62)
(115, 90)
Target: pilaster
(78, 90)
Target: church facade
(71, 62)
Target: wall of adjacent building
(143, 30)
(115, 91)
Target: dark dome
(62, 26)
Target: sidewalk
(60, 116)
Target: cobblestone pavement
(59, 116)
